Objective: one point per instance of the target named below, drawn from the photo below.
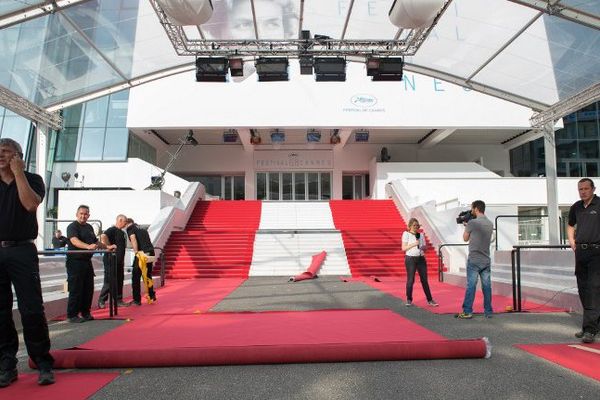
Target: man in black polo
(20, 195)
(584, 237)
(114, 239)
(59, 241)
(140, 241)
(80, 272)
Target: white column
(41, 151)
(551, 186)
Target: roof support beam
(27, 109)
(436, 137)
(25, 14)
(554, 8)
(567, 106)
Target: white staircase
(290, 233)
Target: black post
(514, 279)
(519, 309)
(162, 268)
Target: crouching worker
(140, 242)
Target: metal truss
(557, 9)
(566, 107)
(27, 109)
(39, 10)
(185, 46)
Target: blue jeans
(473, 272)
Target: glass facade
(295, 186)
(577, 148)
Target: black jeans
(419, 265)
(20, 266)
(136, 274)
(587, 271)
(106, 286)
(80, 277)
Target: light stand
(159, 180)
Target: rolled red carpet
(311, 272)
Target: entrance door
(296, 186)
(355, 186)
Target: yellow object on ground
(148, 283)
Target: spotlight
(211, 69)
(330, 69)
(385, 69)
(230, 136)
(306, 65)
(254, 137)
(236, 67)
(361, 136)
(277, 136)
(313, 136)
(189, 139)
(272, 69)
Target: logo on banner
(363, 100)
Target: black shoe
(8, 376)
(579, 335)
(75, 320)
(87, 317)
(588, 337)
(46, 377)
(136, 303)
(122, 303)
(101, 304)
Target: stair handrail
(441, 258)
(162, 265)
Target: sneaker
(87, 317)
(588, 337)
(122, 303)
(75, 320)
(136, 303)
(408, 303)
(579, 334)
(46, 377)
(432, 303)
(464, 315)
(101, 304)
(8, 376)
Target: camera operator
(478, 232)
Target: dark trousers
(587, 271)
(106, 286)
(20, 266)
(419, 265)
(80, 278)
(136, 274)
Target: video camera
(464, 216)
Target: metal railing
(441, 258)
(515, 259)
(112, 272)
(162, 265)
(561, 231)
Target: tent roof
(515, 50)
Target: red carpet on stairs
(218, 241)
(69, 385)
(372, 234)
(265, 337)
(449, 297)
(581, 358)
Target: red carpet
(311, 272)
(69, 385)
(449, 297)
(180, 297)
(578, 359)
(265, 337)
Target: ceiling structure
(541, 54)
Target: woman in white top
(413, 243)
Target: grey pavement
(509, 374)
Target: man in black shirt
(59, 241)
(583, 232)
(80, 272)
(114, 239)
(20, 195)
(140, 241)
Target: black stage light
(306, 65)
(385, 69)
(313, 136)
(236, 67)
(272, 69)
(330, 69)
(361, 136)
(230, 136)
(211, 69)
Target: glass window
(313, 186)
(66, 144)
(358, 187)
(566, 149)
(261, 186)
(561, 169)
(325, 186)
(227, 187)
(91, 145)
(115, 144)
(117, 109)
(212, 185)
(239, 191)
(588, 149)
(16, 128)
(588, 129)
(273, 186)
(299, 182)
(574, 169)
(347, 187)
(72, 116)
(95, 112)
(286, 186)
(591, 169)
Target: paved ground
(509, 374)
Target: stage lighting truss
(406, 43)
